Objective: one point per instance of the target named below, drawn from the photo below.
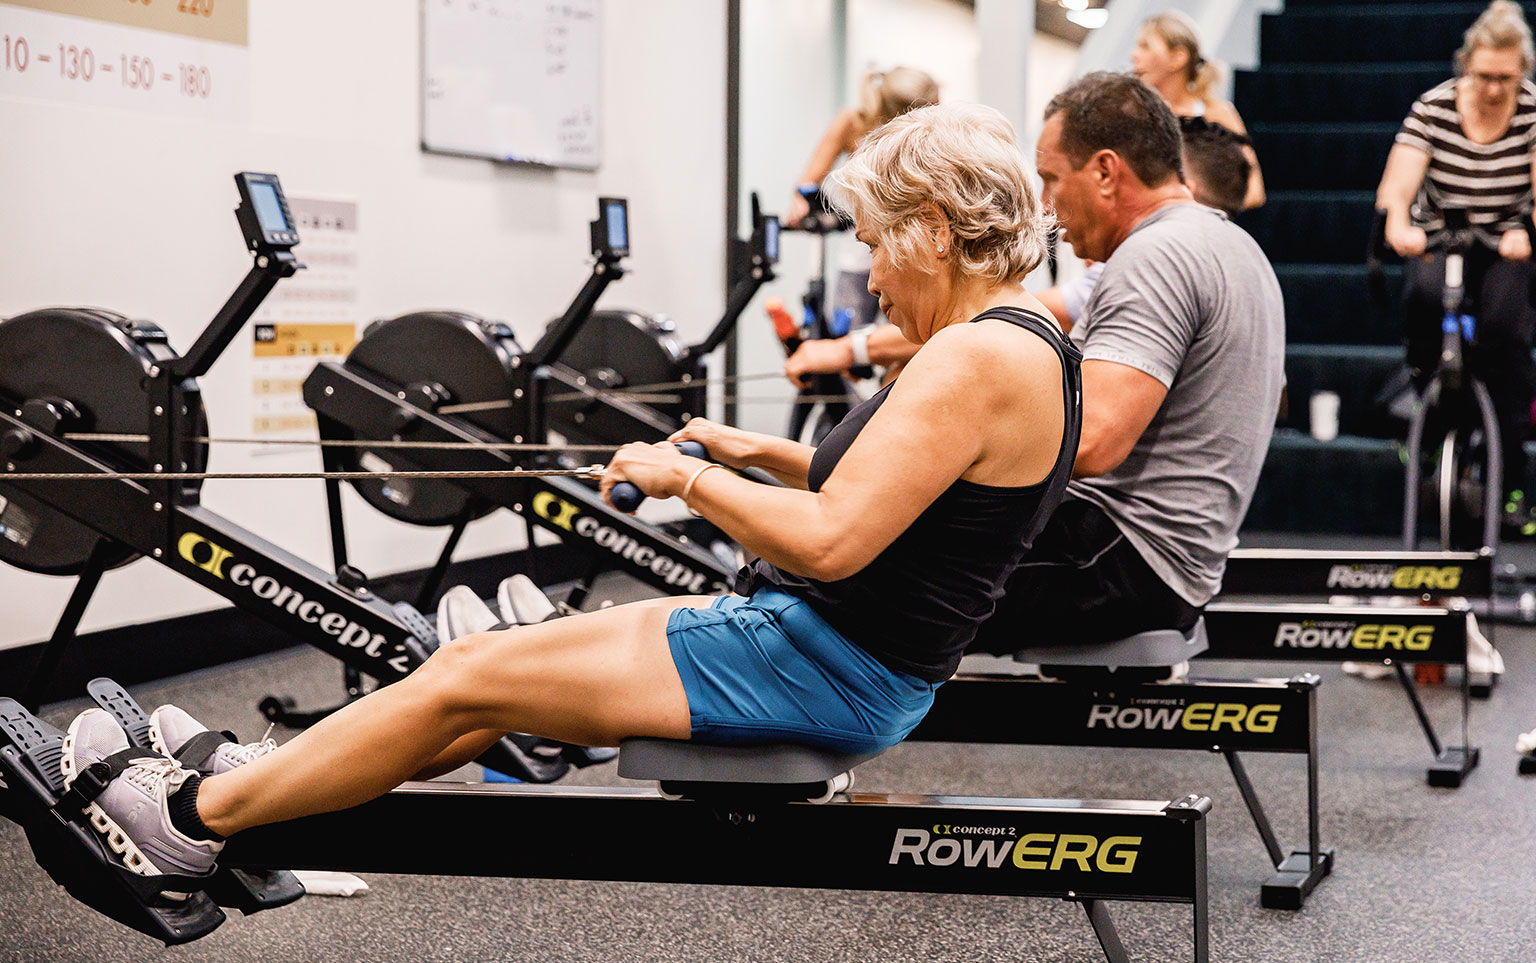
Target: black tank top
(917, 605)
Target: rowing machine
(123, 377)
(726, 831)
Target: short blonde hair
(887, 94)
(964, 158)
(1178, 32)
(1500, 27)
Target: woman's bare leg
(461, 752)
(591, 679)
(466, 749)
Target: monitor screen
(269, 210)
(618, 227)
(771, 239)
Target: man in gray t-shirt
(1189, 300)
(1183, 346)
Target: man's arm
(832, 355)
(1119, 402)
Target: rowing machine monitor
(610, 232)
(765, 235)
(263, 213)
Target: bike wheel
(1446, 479)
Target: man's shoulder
(1178, 232)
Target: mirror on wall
(801, 62)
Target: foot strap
(91, 782)
(201, 747)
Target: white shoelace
(240, 755)
(150, 771)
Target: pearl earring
(941, 249)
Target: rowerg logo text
(1046, 851)
(1354, 635)
(1411, 578)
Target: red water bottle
(783, 325)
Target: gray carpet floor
(1423, 874)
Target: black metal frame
(1267, 572)
(165, 521)
(854, 842)
(1272, 572)
(217, 554)
(605, 414)
(1226, 717)
(1340, 633)
(565, 507)
(1085, 851)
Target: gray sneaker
(171, 729)
(522, 602)
(131, 813)
(461, 612)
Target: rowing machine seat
(1159, 647)
(772, 771)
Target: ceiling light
(1089, 19)
(1075, 4)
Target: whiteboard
(512, 80)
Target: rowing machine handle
(627, 496)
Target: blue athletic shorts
(769, 669)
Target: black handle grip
(627, 496)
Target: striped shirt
(1491, 181)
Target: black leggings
(1499, 298)
(1081, 581)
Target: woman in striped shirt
(1467, 145)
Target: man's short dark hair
(1213, 156)
(1112, 111)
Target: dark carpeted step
(1322, 156)
(1333, 92)
(1332, 304)
(1363, 376)
(1359, 32)
(1346, 486)
(1313, 226)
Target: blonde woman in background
(1167, 58)
(883, 96)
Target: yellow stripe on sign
(283, 424)
(226, 21)
(306, 340)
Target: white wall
(938, 36)
(131, 211)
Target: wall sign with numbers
(309, 318)
(185, 57)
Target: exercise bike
(826, 400)
(1465, 481)
(1455, 414)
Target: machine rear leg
(69, 622)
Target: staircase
(1334, 83)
